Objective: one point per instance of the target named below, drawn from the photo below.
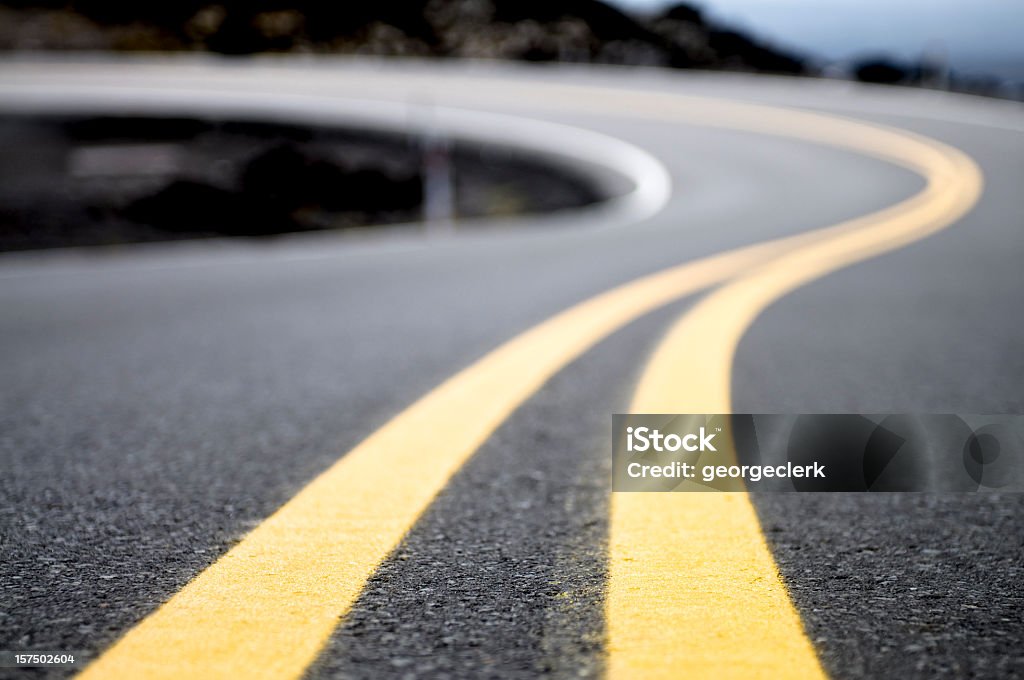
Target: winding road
(385, 454)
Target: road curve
(424, 421)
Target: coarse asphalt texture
(159, 402)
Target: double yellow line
(696, 594)
(693, 589)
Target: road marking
(652, 181)
(693, 589)
(266, 608)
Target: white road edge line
(651, 180)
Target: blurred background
(968, 45)
(110, 180)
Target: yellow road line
(266, 608)
(693, 590)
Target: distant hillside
(533, 30)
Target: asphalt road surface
(160, 403)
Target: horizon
(980, 37)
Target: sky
(979, 36)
